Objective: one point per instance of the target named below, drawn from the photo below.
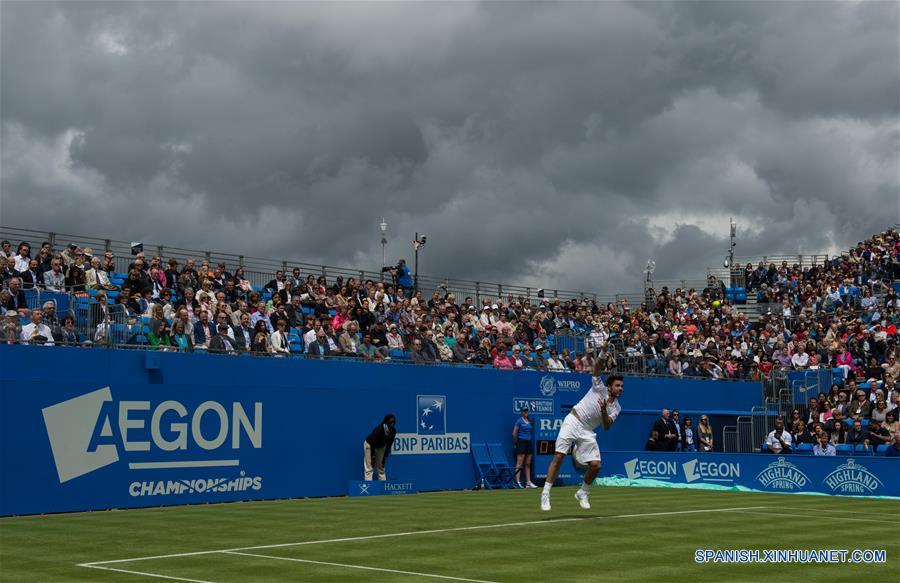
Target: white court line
(853, 512)
(357, 567)
(130, 572)
(816, 517)
(415, 532)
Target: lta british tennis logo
(431, 434)
(852, 478)
(782, 475)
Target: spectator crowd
(843, 313)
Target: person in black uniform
(377, 447)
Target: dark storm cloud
(533, 143)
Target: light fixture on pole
(651, 267)
(418, 243)
(383, 227)
(729, 261)
(649, 293)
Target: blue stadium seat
(862, 449)
(843, 449)
(882, 449)
(804, 449)
(505, 471)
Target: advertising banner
(86, 429)
(846, 476)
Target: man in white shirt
(22, 258)
(800, 360)
(779, 440)
(310, 336)
(37, 328)
(600, 406)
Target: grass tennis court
(634, 534)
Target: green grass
(609, 546)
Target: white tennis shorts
(573, 432)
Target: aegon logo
(658, 470)
(711, 471)
(85, 432)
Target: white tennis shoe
(545, 502)
(582, 498)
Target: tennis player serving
(600, 406)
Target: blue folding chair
(505, 471)
(487, 473)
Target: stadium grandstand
(794, 313)
(788, 365)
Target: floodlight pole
(383, 227)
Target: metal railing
(260, 271)
(738, 438)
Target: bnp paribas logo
(852, 478)
(782, 475)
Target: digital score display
(545, 447)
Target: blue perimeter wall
(92, 429)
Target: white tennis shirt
(588, 408)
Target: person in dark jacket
(653, 443)
(666, 431)
(377, 447)
(220, 343)
(319, 348)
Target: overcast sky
(548, 144)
